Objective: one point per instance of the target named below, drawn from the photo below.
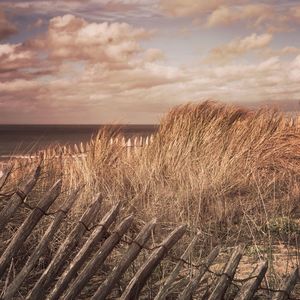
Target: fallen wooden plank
(138, 281)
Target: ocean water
(24, 139)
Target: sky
(130, 61)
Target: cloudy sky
(121, 61)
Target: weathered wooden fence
(81, 149)
(66, 281)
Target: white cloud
(238, 47)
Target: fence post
(17, 198)
(226, 278)
(96, 236)
(24, 231)
(250, 287)
(165, 289)
(131, 254)
(129, 147)
(65, 250)
(192, 285)
(82, 148)
(97, 260)
(287, 286)
(138, 281)
(39, 250)
(6, 172)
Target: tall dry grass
(225, 171)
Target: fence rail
(61, 281)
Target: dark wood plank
(250, 287)
(192, 285)
(228, 274)
(41, 247)
(17, 198)
(287, 286)
(138, 281)
(64, 251)
(98, 259)
(81, 257)
(26, 228)
(127, 259)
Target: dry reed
(227, 172)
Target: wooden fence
(60, 280)
(76, 150)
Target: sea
(18, 140)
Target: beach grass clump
(230, 174)
(223, 170)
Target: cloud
(81, 71)
(6, 27)
(72, 38)
(80, 66)
(238, 47)
(183, 8)
(92, 10)
(271, 17)
(14, 56)
(144, 92)
(287, 50)
(255, 14)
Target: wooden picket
(132, 144)
(14, 286)
(59, 281)
(17, 198)
(5, 174)
(96, 236)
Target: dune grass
(209, 165)
(230, 174)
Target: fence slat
(81, 147)
(17, 198)
(65, 250)
(192, 285)
(138, 281)
(95, 263)
(6, 172)
(76, 149)
(166, 287)
(24, 231)
(287, 286)
(96, 236)
(131, 254)
(250, 287)
(226, 278)
(39, 250)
